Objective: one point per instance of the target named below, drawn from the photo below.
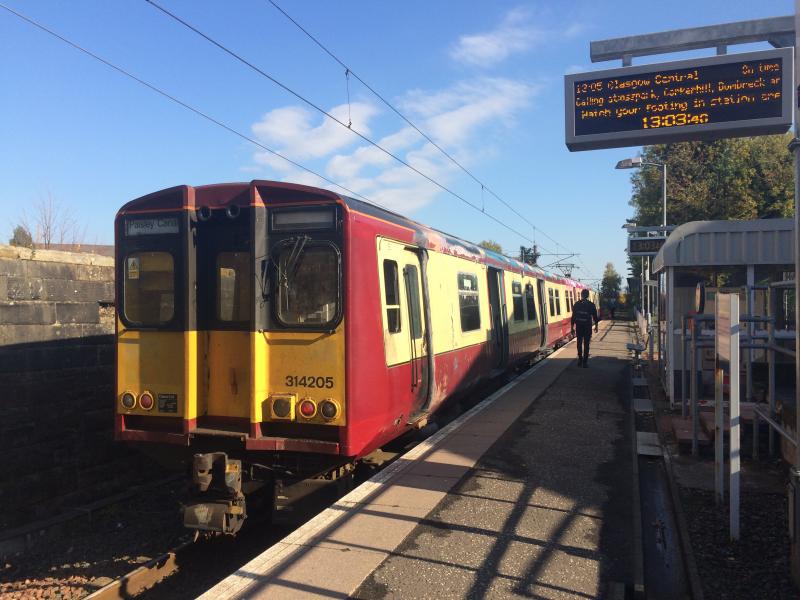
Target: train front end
(231, 341)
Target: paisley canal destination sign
(700, 99)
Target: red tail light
(146, 400)
(308, 408)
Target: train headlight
(128, 400)
(308, 408)
(282, 406)
(329, 409)
(146, 400)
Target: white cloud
(461, 119)
(515, 34)
(293, 128)
(453, 115)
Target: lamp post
(628, 227)
(637, 162)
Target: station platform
(530, 493)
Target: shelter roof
(729, 243)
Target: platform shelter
(730, 256)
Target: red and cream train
(270, 333)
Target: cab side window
(392, 292)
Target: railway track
(145, 576)
(160, 576)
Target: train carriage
(271, 333)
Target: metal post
(669, 338)
(735, 420)
(693, 380)
(664, 191)
(751, 328)
(684, 352)
(794, 482)
(773, 309)
(719, 433)
(641, 290)
(756, 435)
(659, 291)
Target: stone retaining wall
(57, 385)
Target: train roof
(455, 245)
(220, 194)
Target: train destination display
(699, 99)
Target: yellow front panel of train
(225, 377)
(162, 363)
(301, 366)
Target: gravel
(755, 567)
(92, 551)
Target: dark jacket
(583, 312)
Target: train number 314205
(309, 381)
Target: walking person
(583, 312)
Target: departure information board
(701, 99)
(647, 246)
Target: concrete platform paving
(528, 494)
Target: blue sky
(483, 79)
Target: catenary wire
(178, 101)
(343, 124)
(349, 71)
(204, 115)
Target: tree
(53, 223)
(22, 237)
(491, 245)
(611, 285)
(737, 178)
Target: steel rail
(144, 577)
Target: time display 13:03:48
(674, 120)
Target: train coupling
(217, 505)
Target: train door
(497, 307)
(406, 318)
(224, 313)
(540, 288)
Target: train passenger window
(308, 284)
(516, 295)
(558, 301)
(392, 291)
(468, 302)
(552, 301)
(149, 288)
(530, 305)
(233, 286)
(412, 289)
